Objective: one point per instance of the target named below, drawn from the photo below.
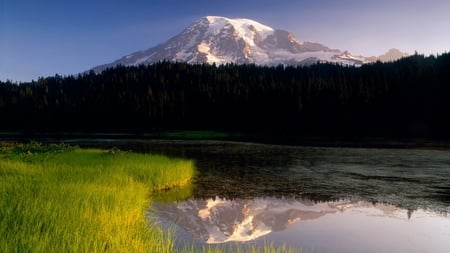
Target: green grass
(59, 198)
(55, 199)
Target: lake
(315, 199)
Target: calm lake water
(316, 199)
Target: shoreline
(258, 138)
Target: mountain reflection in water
(345, 226)
(318, 199)
(219, 220)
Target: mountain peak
(216, 39)
(238, 23)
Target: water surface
(319, 199)
(338, 226)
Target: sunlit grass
(63, 199)
(82, 200)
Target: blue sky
(42, 38)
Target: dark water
(319, 199)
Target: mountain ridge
(220, 40)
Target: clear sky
(45, 37)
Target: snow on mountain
(220, 40)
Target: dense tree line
(409, 97)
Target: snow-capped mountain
(221, 40)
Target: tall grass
(82, 200)
(63, 199)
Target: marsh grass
(60, 198)
(66, 199)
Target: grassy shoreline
(64, 199)
(277, 138)
(59, 198)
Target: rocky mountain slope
(220, 40)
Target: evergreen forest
(406, 98)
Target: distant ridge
(219, 40)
